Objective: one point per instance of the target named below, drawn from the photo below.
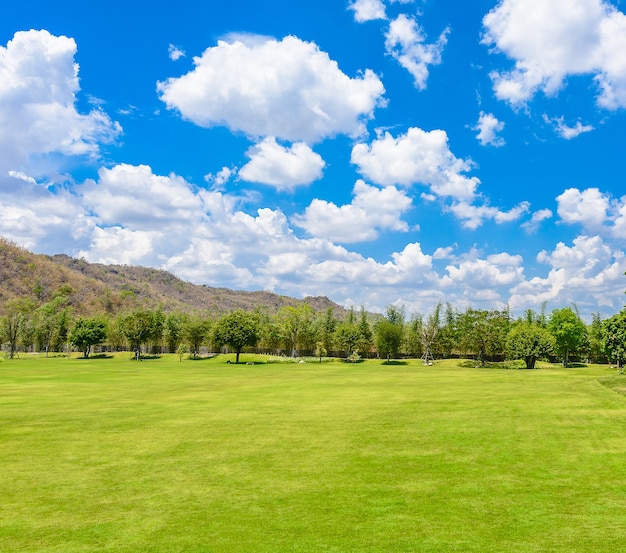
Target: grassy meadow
(114, 455)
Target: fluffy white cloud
(417, 157)
(481, 278)
(282, 167)
(589, 207)
(38, 117)
(589, 273)
(473, 216)
(550, 40)
(372, 210)
(130, 195)
(367, 10)
(488, 127)
(289, 89)
(405, 41)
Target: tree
(433, 333)
(196, 331)
(88, 332)
(237, 330)
(348, 333)
(325, 326)
(296, 325)
(366, 337)
(484, 332)
(15, 321)
(614, 330)
(529, 342)
(141, 326)
(595, 342)
(173, 327)
(50, 323)
(569, 332)
(390, 332)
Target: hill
(96, 288)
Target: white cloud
(588, 273)
(132, 196)
(589, 208)
(486, 274)
(564, 130)
(282, 167)
(549, 41)
(220, 178)
(488, 127)
(38, 117)
(473, 216)
(417, 157)
(405, 41)
(372, 210)
(175, 53)
(535, 221)
(289, 89)
(367, 10)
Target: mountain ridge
(95, 287)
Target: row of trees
(481, 334)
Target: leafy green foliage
(88, 332)
(529, 342)
(615, 338)
(237, 330)
(569, 332)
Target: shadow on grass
(393, 362)
(96, 356)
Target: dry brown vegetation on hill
(95, 288)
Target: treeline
(484, 335)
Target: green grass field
(115, 455)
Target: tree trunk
(237, 356)
(530, 362)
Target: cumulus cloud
(38, 116)
(548, 41)
(589, 273)
(367, 10)
(589, 208)
(288, 89)
(488, 127)
(417, 157)
(372, 210)
(405, 41)
(493, 272)
(282, 167)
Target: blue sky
(374, 151)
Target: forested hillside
(93, 288)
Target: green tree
(615, 338)
(529, 342)
(483, 333)
(141, 326)
(348, 333)
(325, 325)
(16, 319)
(197, 330)
(569, 332)
(237, 329)
(595, 343)
(296, 326)
(366, 336)
(51, 324)
(390, 332)
(88, 332)
(173, 328)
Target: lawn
(114, 455)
